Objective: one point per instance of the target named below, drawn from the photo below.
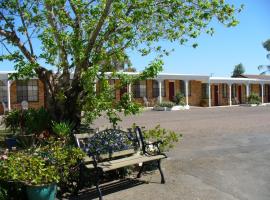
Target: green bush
(40, 166)
(167, 104)
(179, 99)
(62, 129)
(254, 99)
(167, 137)
(31, 121)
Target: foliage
(167, 104)
(254, 99)
(85, 38)
(238, 70)
(266, 68)
(31, 121)
(62, 129)
(167, 137)
(11, 120)
(203, 103)
(40, 166)
(179, 99)
(30, 169)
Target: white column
(230, 94)
(262, 87)
(129, 91)
(159, 91)
(247, 90)
(209, 94)
(8, 95)
(186, 91)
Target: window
(27, 90)
(183, 87)
(156, 88)
(139, 89)
(205, 91)
(3, 92)
(224, 90)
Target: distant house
(197, 89)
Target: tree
(82, 39)
(238, 70)
(266, 68)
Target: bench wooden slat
(123, 162)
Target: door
(240, 94)
(268, 93)
(216, 95)
(171, 91)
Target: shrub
(179, 99)
(167, 137)
(31, 121)
(62, 129)
(167, 104)
(254, 99)
(203, 103)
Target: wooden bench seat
(124, 162)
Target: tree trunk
(65, 109)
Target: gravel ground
(224, 154)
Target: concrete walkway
(224, 154)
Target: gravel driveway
(224, 154)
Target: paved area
(224, 154)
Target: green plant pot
(47, 192)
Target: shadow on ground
(108, 188)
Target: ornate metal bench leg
(140, 172)
(161, 173)
(97, 184)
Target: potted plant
(37, 173)
(164, 106)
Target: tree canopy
(82, 39)
(238, 70)
(266, 68)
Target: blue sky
(218, 54)
(226, 48)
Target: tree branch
(25, 29)
(94, 34)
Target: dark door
(216, 95)
(240, 94)
(171, 90)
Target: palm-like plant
(266, 68)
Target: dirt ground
(224, 154)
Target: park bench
(113, 149)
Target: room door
(171, 91)
(240, 94)
(216, 95)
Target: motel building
(199, 90)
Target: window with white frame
(3, 92)
(155, 88)
(139, 89)
(183, 87)
(27, 90)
